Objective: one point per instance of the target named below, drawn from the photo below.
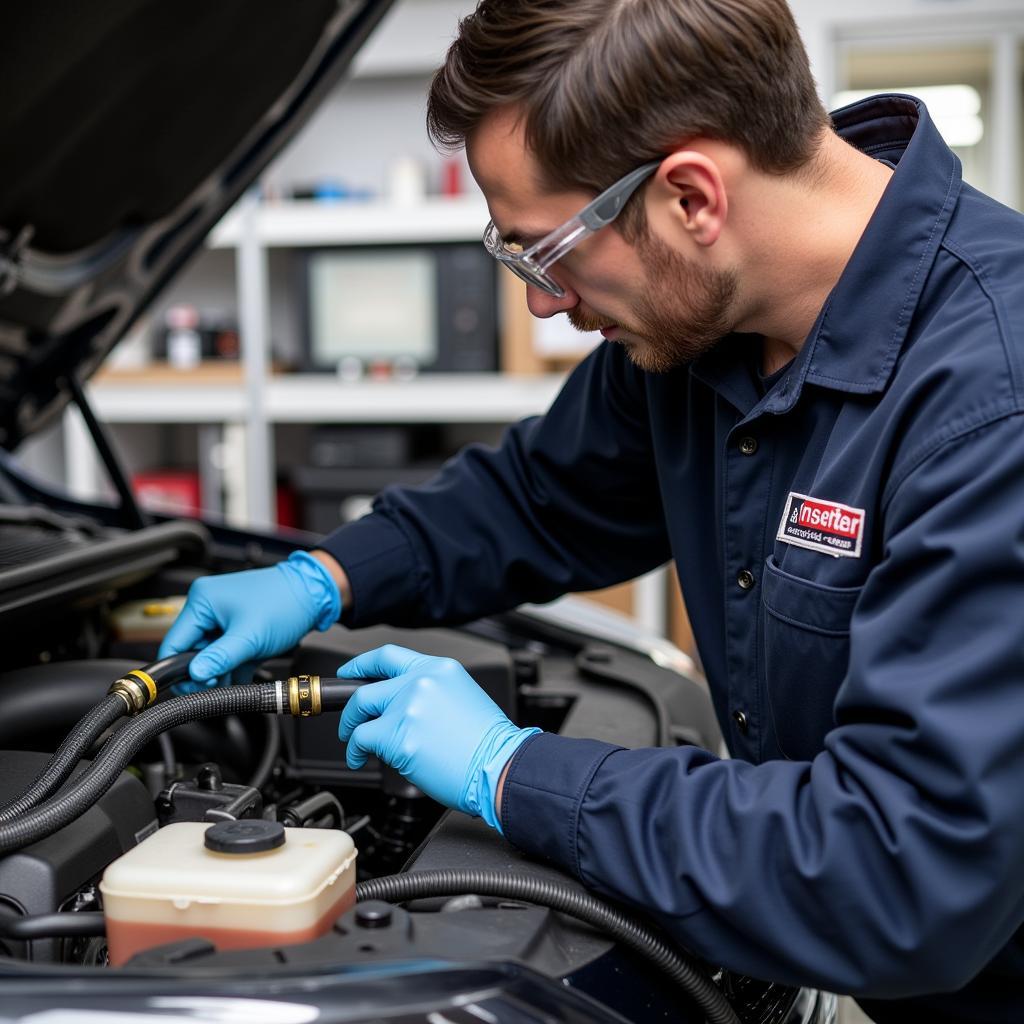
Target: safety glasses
(532, 264)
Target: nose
(542, 304)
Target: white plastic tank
(237, 883)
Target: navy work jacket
(851, 549)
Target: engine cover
(40, 878)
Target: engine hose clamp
(148, 680)
(136, 689)
(304, 696)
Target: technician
(811, 400)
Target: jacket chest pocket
(806, 653)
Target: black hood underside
(128, 128)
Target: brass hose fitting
(137, 689)
(304, 696)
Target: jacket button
(748, 445)
(741, 722)
(745, 578)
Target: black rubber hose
(311, 809)
(170, 762)
(271, 748)
(75, 746)
(53, 926)
(44, 820)
(567, 900)
(170, 670)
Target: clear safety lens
(521, 262)
(531, 264)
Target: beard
(684, 311)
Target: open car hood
(128, 128)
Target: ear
(689, 194)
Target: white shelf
(165, 403)
(352, 222)
(432, 398)
(308, 398)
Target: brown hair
(606, 84)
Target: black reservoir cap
(250, 835)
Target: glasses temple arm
(608, 205)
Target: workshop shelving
(253, 397)
(354, 222)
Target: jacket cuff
(545, 787)
(381, 567)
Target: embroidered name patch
(820, 525)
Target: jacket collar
(860, 330)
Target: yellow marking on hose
(148, 680)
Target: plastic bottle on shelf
(184, 344)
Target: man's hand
(244, 616)
(433, 723)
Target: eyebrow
(518, 236)
(523, 237)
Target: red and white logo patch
(820, 525)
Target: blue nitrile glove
(260, 612)
(431, 721)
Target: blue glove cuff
(319, 584)
(483, 784)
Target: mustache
(586, 321)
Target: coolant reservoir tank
(237, 883)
